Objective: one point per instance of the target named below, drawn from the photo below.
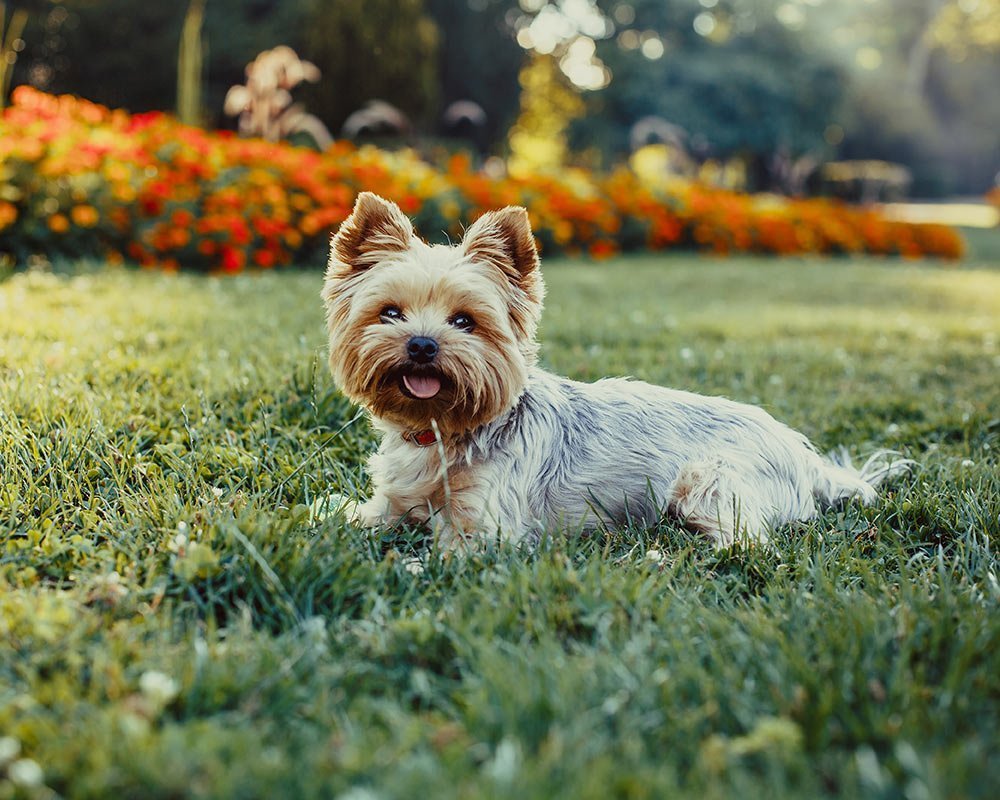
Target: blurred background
(870, 99)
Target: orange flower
(120, 217)
(178, 237)
(166, 188)
(602, 249)
(85, 216)
(310, 224)
(8, 214)
(181, 218)
(58, 223)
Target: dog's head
(424, 332)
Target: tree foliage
(745, 85)
(478, 59)
(538, 139)
(909, 81)
(91, 48)
(915, 94)
(124, 54)
(366, 49)
(962, 26)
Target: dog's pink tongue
(423, 387)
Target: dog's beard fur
(377, 262)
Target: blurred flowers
(158, 688)
(78, 179)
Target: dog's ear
(375, 228)
(503, 238)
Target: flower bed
(78, 179)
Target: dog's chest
(415, 482)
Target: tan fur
(376, 261)
(504, 239)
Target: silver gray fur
(572, 455)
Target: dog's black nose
(422, 349)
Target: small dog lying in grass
(438, 344)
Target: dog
(438, 343)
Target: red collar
(421, 438)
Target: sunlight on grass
(963, 215)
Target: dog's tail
(840, 480)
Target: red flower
(264, 258)
(232, 259)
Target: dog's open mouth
(422, 385)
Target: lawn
(172, 624)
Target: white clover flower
(359, 793)
(158, 687)
(178, 544)
(25, 773)
(504, 765)
(414, 567)
(107, 589)
(327, 506)
(654, 556)
(314, 629)
(10, 748)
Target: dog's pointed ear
(503, 238)
(375, 228)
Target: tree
(92, 48)
(236, 32)
(190, 56)
(479, 58)
(738, 80)
(962, 26)
(909, 81)
(11, 44)
(538, 139)
(370, 49)
(125, 54)
(922, 87)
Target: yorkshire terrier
(438, 343)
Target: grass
(172, 624)
(982, 246)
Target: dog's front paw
(371, 514)
(327, 506)
(364, 515)
(454, 540)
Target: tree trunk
(919, 58)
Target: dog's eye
(463, 321)
(390, 314)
